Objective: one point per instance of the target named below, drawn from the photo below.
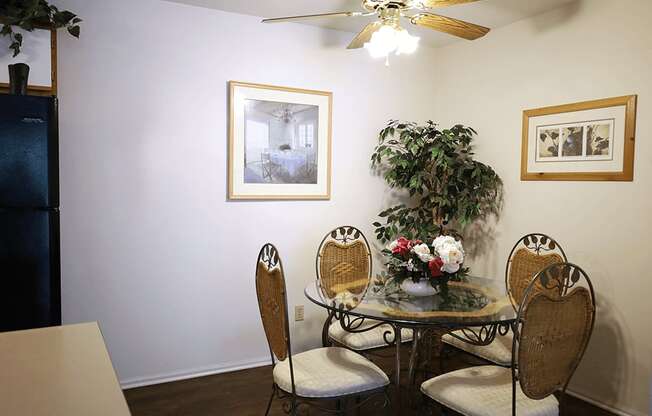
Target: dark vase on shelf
(18, 76)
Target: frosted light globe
(383, 42)
(390, 39)
(407, 43)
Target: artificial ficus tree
(448, 188)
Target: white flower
(451, 254)
(450, 267)
(410, 266)
(441, 241)
(423, 251)
(392, 245)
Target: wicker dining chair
(553, 327)
(530, 254)
(344, 267)
(307, 378)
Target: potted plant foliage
(448, 190)
(32, 14)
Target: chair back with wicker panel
(553, 328)
(344, 262)
(322, 373)
(529, 256)
(272, 301)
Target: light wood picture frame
(585, 141)
(279, 142)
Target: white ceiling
(489, 13)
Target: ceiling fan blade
(311, 16)
(433, 4)
(364, 36)
(449, 25)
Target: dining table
(290, 160)
(474, 310)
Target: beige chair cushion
(485, 391)
(499, 351)
(329, 372)
(367, 340)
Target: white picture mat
(36, 52)
(239, 188)
(618, 137)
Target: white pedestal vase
(420, 288)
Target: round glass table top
(476, 301)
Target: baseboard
(602, 405)
(194, 373)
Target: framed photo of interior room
(279, 142)
(586, 141)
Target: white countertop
(58, 371)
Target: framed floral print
(279, 142)
(586, 141)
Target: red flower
(435, 266)
(403, 246)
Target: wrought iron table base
(426, 343)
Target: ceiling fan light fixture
(407, 44)
(383, 42)
(385, 35)
(390, 38)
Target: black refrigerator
(30, 277)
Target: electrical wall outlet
(298, 313)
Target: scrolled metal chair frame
(558, 277)
(537, 243)
(292, 402)
(345, 235)
(481, 336)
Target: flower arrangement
(416, 261)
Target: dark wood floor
(246, 393)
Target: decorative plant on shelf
(33, 14)
(448, 188)
(448, 191)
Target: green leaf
(29, 14)
(62, 18)
(74, 30)
(15, 47)
(437, 170)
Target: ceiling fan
(386, 34)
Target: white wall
(150, 247)
(593, 49)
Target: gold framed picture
(586, 141)
(279, 142)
